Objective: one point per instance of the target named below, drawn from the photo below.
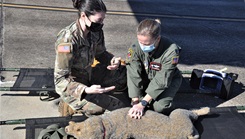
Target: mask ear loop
(157, 41)
(89, 21)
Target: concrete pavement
(211, 34)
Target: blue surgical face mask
(147, 48)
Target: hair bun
(77, 3)
(158, 20)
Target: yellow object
(95, 63)
(123, 62)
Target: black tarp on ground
(222, 123)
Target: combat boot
(64, 109)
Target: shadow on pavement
(209, 32)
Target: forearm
(68, 88)
(147, 98)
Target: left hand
(136, 111)
(115, 62)
(97, 89)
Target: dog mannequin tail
(202, 111)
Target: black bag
(196, 77)
(226, 88)
(228, 85)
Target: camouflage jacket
(74, 57)
(157, 69)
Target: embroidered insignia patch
(175, 60)
(129, 54)
(64, 48)
(155, 66)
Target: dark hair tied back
(77, 3)
(89, 6)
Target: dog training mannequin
(118, 125)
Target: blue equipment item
(212, 80)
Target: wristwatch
(143, 103)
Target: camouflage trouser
(99, 103)
(64, 109)
(96, 104)
(104, 77)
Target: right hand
(115, 62)
(96, 89)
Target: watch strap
(143, 102)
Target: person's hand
(115, 62)
(136, 111)
(96, 89)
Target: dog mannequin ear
(71, 123)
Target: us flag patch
(64, 48)
(175, 60)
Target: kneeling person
(80, 85)
(152, 74)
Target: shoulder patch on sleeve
(64, 48)
(175, 59)
(129, 54)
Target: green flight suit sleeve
(134, 80)
(163, 78)
(64, 84)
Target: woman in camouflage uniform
(153, 76)
(81, 85)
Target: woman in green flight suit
(152, 74)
